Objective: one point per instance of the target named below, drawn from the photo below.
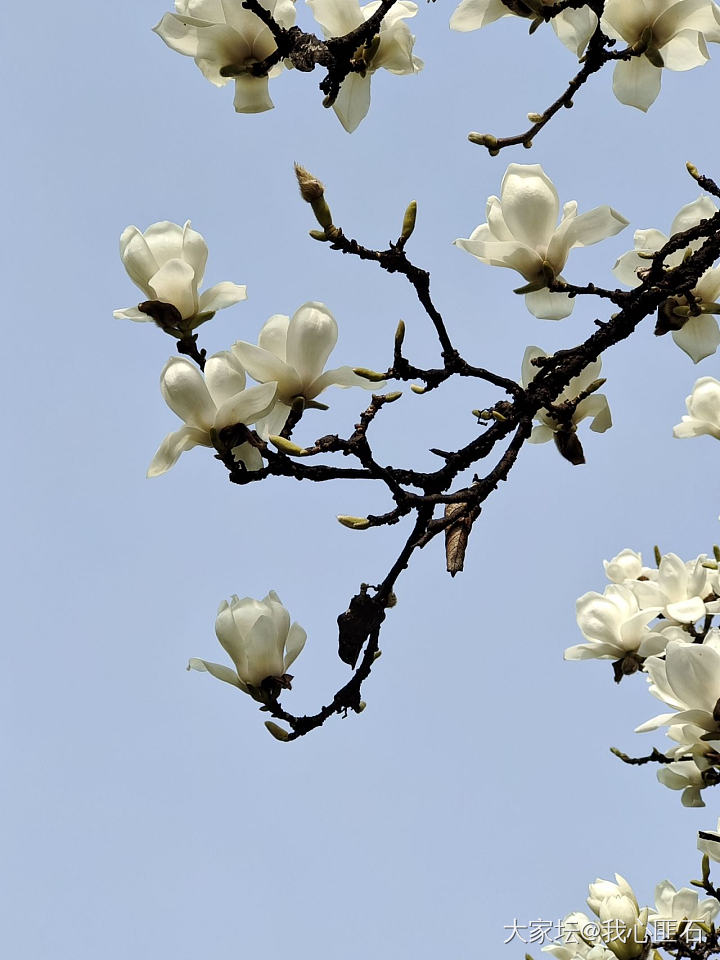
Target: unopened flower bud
(319, 235)
(310, 187)
(416, 388)
(392, 397)
(400, 334)
(288, 447)
(484, 140)
(534, 117)
(409, 221)
(372, 375)
(354, 523)
(277, 731)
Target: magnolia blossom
(683, 775)
(617, 907)
(627, 565)
(697, 335)
(167, 262)
(679, 589)
(579, 938)
(260, 640)
(208, 403)
(522, 233)
(703, 407)
(709, 842)
(687, 679)
(595, 405)
(292, 352)
(615, 626)
(675, 906)
(391, 51)
(573, 27)
(671, 34)
(226, 40)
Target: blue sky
(147, 812)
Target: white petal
(530, 204)
(273, 336)
(698, 337)
(249, 455)
(473, 14)
(265, 367)
(183, 387)
(222, 295)
(636, 82)
(685, 51)
(173, 446)
(247, 406)
(341, 377)
(217, 670)
(137, 257)
(252, 94)
(312, 335)
(295, 642)
(175, 283)
(692, 213)
(336, 17)
(693, 672)
(575, 27)
(510, 253)
(224, 376)
(132, 313)
(549, 306)
(353, 101)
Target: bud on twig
(372, 375)
(409, 221)
(288, 447)
(313, 192)
(354, 523)
(277, 731)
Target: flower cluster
(703, 411)
(671, 34)
(660, 621)
(623, 930)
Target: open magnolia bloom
(225, 41)
(391, 50)
(679, 589)
(261, 642)
(683, 775)
(579, 940)
(167, 263)
(562, 432)
(688, 680)
(573, 27)
(696, 332)
(703, 410)
(207, 404)
(670, 33)
(522, 233)
(292, 352)
(675, 906)
(615, 625)
(627, 565)
(624, 922)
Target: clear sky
(147, 814)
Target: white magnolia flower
(292, 351)
(260, 640)
(167, 262)
(627, 565)
(687, 679)
(709, 842)
(617, 907)
(699, 335)
(615, 626)
(703, 407)
(682, 775)
(226, 40)
(579, 938)
(673, 34)
(522, 233)
(679, 589)
(217, 400)
(573, 27)
(393, 50)
(595, 406)
(674, 906)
